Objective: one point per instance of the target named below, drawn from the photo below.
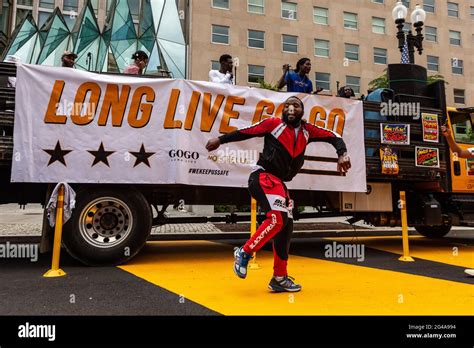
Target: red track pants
(273, 197)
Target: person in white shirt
(224, 74)
(462, 153)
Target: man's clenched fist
(213, 144)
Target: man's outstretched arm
(257, 130)
(318, 134)
(452, 144)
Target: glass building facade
(150, 25)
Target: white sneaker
(470, 272)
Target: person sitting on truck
(140, 60)
(68, 59)
(346, 92)
(285, 142)
(462, 153)
(224, 74)
(11, 81)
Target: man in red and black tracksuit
(282, 158)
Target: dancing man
(282, 158)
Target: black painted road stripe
(94, 290)
(383, 260)
(315, 248)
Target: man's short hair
(140, 55)
(300, 101)
(69, 54)
(224, 58)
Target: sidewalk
(16, 222)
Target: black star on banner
(101, 155)
(142, 156)
(57, 154)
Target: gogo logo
(184, 154)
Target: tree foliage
(267, 85)
(382, 80)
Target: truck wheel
(433, 231)
(108, 226)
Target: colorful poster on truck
(92, 128)
(430, 127)
(389, 161)
(395, 134)
(427, 157)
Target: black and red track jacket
(283, 154)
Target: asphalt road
(185, 291)
(83, 291)
(195, 278)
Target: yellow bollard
(406, 251)
(253, 228)
(55, 271)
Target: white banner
(81, 127)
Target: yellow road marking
(202, 272)
(434, 250)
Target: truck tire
(108, 226)
(433, 231)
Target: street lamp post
(418, 17)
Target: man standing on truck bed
(282, 158)
(469, 153)
(224, 74)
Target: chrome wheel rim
(105, 222)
